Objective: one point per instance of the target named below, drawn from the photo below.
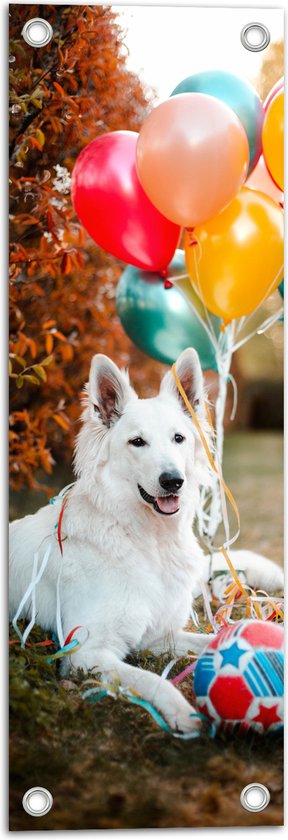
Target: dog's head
(144, 452)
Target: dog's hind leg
(159, 692)
(182, 644)
(260, 572)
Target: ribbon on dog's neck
(59, 526)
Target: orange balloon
(236, 260)
(273, 139)
(261, 180)
(192, 157)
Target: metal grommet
(37, 32)
(255, 37)
(37, 801)
(255, 797)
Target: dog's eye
(178, 438)
(137, 442)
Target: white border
(241, 833)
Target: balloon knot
(191, 240)
(168, 284)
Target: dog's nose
(171, 481)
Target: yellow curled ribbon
(214, 468)
(243, 589)
(208, 453)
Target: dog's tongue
(168, 504)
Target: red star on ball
(266, 716)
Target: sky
(168, 43)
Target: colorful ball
(239, 677)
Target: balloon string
(178, 277)
(223, 484)
(223, 359)
(205, 325)
(270, 321)
(195, 241)
(246, 318)
(235, 396)
(260, 329)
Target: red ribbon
(60, 524)
(69, 637)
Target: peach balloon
(261, 180)
(192, 157)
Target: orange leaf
(49, 343)
(66, 264)
(35, 143)
(67, 352)
(60, 335)
(48, 324)
(61, 422)
(59, 88)
(45, 459)
(49, 220)
(33, 347)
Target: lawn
(107, 764)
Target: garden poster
(146, 295)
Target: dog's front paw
(183, 718)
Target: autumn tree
(272, 69)
(62, 286)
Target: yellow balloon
(235, 260)
(273, 139)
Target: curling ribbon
(97, 693)
(210, 458)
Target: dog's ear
(189, 373)
(109, 389)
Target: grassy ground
(107, 764)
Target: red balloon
(275, 89)
(113, 207)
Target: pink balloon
(261, 181)
(275, 89)
(192, 157)
(113, 207)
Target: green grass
(107, 764)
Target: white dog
(130, 559)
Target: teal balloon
(159, 320)
(281, 288)
(239, 95)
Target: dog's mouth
(167, 505)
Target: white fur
(128, 572)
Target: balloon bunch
(208, 160)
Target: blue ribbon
(64, 650)
(95, 694)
